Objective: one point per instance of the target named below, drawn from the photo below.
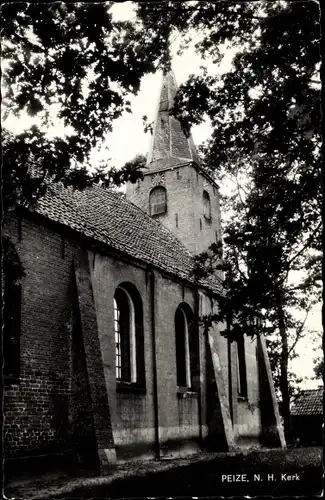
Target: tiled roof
(309, 402)
(110, 218)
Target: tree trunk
(284, 383)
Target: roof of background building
(309, 402)
(110, 218)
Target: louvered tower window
(158, 200)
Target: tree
(74, 63)
(265, 114)
(269, 102)
(258, 295)
(319, 359)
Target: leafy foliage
(269, 102)
(74, 63)
(138, 162)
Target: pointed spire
(169, 146)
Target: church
(105, 358)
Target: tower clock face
(157, 179)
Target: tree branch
(238, 268)
(299, 331)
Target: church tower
(176, 190)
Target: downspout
(197, 313)
(154, 364)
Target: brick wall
(49, 410)
(36, 415)
(37, 409)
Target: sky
(128, 139)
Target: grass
(205, 476)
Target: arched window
(12, 291)
(128, 328)
(187, 348)
(158, 200)
(206, 205)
